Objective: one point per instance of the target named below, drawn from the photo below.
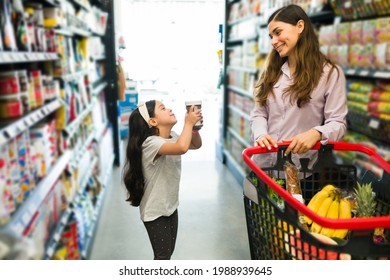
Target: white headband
(144, 112)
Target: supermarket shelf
(79, 152)
(23, 215)
(240, 91)
(73, 76)
(238, 111)
(234, 167)
(73, 126)
(85, 253)
(243, 19)
(53, 3)
(81, 5)
(367, 73)
(242, 69)
(56, 235)
(26, 57)
(238, 137)
(72, 31)
(372, 127)
(99, 134)
(98, 88)
(316, 17)
(241, 39)
(10, 130)
(98, 57)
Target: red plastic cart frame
(355, 223)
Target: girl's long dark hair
(310, 61)
(133, 175)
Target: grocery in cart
(340, 211)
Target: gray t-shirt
(162, 179)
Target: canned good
(11, 108)
(9, 83)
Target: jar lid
(8, 74)
(9, 97)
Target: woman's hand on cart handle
(266, 141)
(303, 142)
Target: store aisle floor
(211, 213)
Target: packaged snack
(382, 30)
(344, 33)
(382, 56)
(368, 32)
(356, 32)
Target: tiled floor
(211, 213)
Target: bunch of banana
(328, 203)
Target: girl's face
(284, 36)
(164, 116)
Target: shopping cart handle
(356, 223)
(337, 146)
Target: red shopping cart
(274, 230)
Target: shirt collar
(286, 70)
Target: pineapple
(365, 200)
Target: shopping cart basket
(274, 230)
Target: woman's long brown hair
(310, 61)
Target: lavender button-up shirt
(326, 112)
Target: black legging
(162, 234)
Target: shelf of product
(25, 213)
(9, 130)
(53, 120)
(22, 57)
(353, 33)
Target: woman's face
(284, 36)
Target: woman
(300, 95)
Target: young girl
(153, 167)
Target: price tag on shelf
(50, 251)
(26, 218)
(364, 73)
(367, 1)
(18, 56)
(20, 126)
(382, 74)
(374, 123)
(13, 56)
(28, 56)
(11, 131)
(350, 71)
(45, 110)
(3, 139)
(64, 218)
(347, 4)
(7, 57)
(56, 237)
(28, 121)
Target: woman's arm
(335, 114)
(259, 123)
(335, 110)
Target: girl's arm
(183, 143)
(196, 141)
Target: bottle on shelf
(7, 29)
